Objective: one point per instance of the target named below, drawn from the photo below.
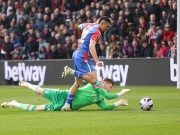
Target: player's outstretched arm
(110, 96)
(103, 105)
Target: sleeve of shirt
(104, 93)
(95, 37)
(103, 105)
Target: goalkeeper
(87, 95)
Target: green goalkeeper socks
(28, 107)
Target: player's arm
(110, 96)
(82, 26)
(103, 105)
(92, 49)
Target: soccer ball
(146, 104)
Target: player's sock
(70, 98)
(78, 74)
(27, 107)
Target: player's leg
(83, 69)
(89, 77)
(36, 88)
(72, 92)
(14, 103)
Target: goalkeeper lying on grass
(87, 95)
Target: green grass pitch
(164, 119)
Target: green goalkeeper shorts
(57, 98)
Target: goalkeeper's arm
(103, 105)
(110, 96)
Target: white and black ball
(146, 104)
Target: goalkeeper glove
(124, 91)
(122, 102)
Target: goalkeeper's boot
(29, 85)
(67, 71)
(8, 104)
(24, 84)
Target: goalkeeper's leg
(36, 88)
(27, 107)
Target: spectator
(168, 33)
(59, 16)
(48, 51)
(46, 21)
(52, 38)
(102, 54)
(174, 48)
(173, 17)
(165, 7)
(22, 15)
(46, 33)
(153, 21)
(136, 49)
(53, 22)
(160, 34)
(152, 34)
(14, 39)
(61, 51)
(40, 22)
(42, 53)
(157, 46)
(67, 15)
(31, 48)
(11, 16)
(7, 49)
(147, 50)
(68, 47)
(12, 27)
(33, 13)
(54, 52)
(171, 48)
(18, 52)
(118, 51)
(141, 35)
(82, 15)
(128, 17)
(21, 26)
(154, 9)
(113, 30)
(112, 45)
(164, 19)
(4, 21)
(47, 11)
(164, 50)
(41, 42)
(64, 35)
(127, 49)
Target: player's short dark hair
(108, 80)
(105, 18)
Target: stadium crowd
(47, 29)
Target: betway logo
(21, 72)
(118, 73)
(173, 69)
